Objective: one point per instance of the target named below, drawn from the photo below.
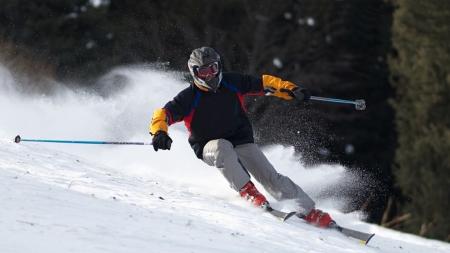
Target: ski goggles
(207, 72)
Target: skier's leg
(221, 154)
(279, 186)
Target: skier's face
(208, 72)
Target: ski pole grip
(17, 139)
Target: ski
(283, 216)
(363, 237)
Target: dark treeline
(334, 48)
(421, 76)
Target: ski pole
(360, 104)
(18, 139)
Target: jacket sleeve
(159, 121)
(250, 85)
(274, 86)
(174, 111)
(266, 85)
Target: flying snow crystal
(90, 44)
(349, 149)
(288, 15)
(95, 3)
(310, 21)
(277, 62)
(324, 151)
(72, 15)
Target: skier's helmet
(206, 68)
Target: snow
(277, 62)
(310, 21)
(287, 15)
(98, 3)
(100, 198)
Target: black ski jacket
(216, 115)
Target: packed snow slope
(100, 198)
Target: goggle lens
(207, 72)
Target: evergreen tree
(421, 77)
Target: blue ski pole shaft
(18, 139)
(360, 104)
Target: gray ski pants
(235, 163)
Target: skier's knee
(217, 151)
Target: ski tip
(17, 139)
(368, 239)
(289, 215)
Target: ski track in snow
(63, 198)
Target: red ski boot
(250, 192)
(319, 218)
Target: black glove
(161, 141)
(302, 94)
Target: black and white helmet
(206, 68)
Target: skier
(213, 111)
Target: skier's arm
(248, 85)
(172, 112)
(164, 117)
(158, 129)
(274, 86)
(159, 121)
(271, 86)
